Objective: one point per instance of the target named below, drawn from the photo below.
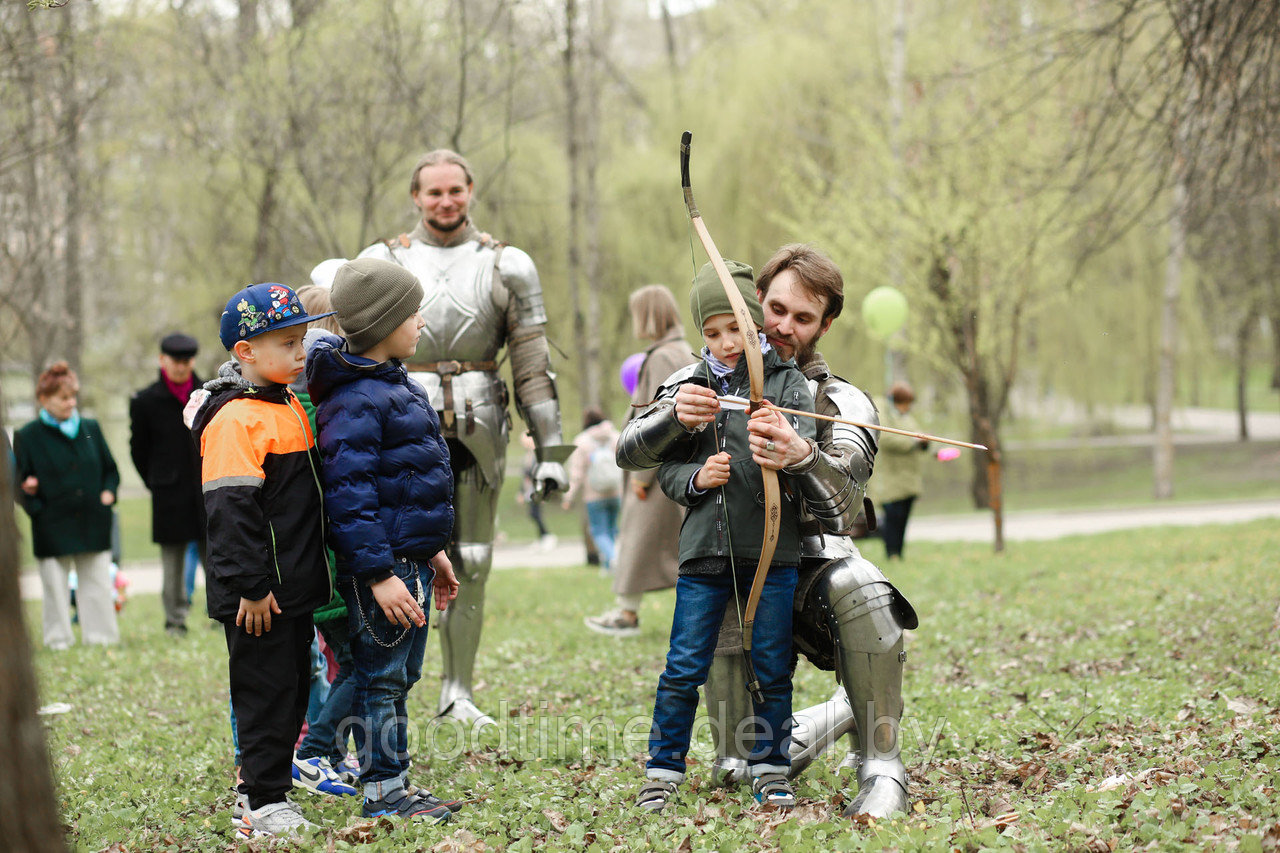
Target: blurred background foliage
(1078, 199)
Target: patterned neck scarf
(721, 370)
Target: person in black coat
(168, 460)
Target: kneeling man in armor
(848, 617)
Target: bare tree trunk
(464, 57)
(673, 59)
(261, 262)
(72, 175)
(596, 38)
(574, 156)
(895, 355)
(1167, 371)
(246, 23)
(28, 807)
(1243, 334)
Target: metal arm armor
(647, 439)
(835, 482)
(520, 278)
(543, 420)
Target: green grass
(1097, 693)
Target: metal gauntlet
(833, 488)
(646, 441)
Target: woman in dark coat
(649, 527)
(69, 481)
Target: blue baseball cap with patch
(262, 308)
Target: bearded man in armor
(848, 618)
(481, 295)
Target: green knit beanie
(372, 298)
(708, 298)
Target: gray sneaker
(272, 819)
(615, 623)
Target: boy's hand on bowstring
(397, 603)
(255, 616)
(714, 472)
(445, 585)
(696, 406)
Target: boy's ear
(243, 351)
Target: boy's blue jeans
(327, 733)
(387, 662)
(695, 628)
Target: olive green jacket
(899, 472)
(729, 521)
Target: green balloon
(884, 310)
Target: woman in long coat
(649, 529)
(69, 481)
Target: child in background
(716, 478)
(389, 493)
(266, 570)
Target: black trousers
(270, 686)
(893, 524)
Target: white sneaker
(548, 542)
(283, 818)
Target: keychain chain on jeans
(418, 596)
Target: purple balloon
(630, 373)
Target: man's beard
(445, 229)
(804, 352)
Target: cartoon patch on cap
(283, 304)
(251, 319)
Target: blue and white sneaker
(773, 789)
(315, 774)
(348, 770)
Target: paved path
(144, 576)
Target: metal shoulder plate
(518, 275)
(688, 373)
(856, 405)
(380, 250)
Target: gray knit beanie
(372, 298)
(708, 298)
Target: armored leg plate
(460, 629)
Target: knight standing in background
(847, 616)
(480, 296)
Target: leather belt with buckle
(446, 370)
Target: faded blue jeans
(695, 628)
(387, 662)
(326, 734)
(602, 521)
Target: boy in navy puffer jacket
(388, 490)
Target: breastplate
(464, 320)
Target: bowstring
(715, 437)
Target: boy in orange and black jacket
(267, 570)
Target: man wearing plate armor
(480, 295)
(848, 617)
